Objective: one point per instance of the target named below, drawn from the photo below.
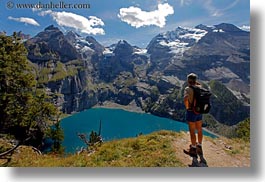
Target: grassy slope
(154, 150)
(159, 149)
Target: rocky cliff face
(81, 73)
(50, 45)
(74, 96)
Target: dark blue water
(116, 124)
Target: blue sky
(109, 21)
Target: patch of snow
(83, 41)
(141, 52)
(245, 28)
(194, 33)
(81, 44)
(108, 52)
(86, 49)
(218, 30)
(181, 39)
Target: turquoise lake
(116, 124)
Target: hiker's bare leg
(199, 130)
(192, 128)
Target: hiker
(194, 119)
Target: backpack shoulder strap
(193, 89)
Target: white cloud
(136, 17)
(85, 25)
(185, 2)
(231, 5)
(30, 21)
(208, 5)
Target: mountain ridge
(153, 78)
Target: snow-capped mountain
(172, 45)
(85, 72)
(181, 39)
(86, 46)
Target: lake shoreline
(132, 107)
(117, 123)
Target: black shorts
(192, 117)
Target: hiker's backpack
(201, 100)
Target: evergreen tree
(16, 83)
(243, 130)
(57, 136)
(25, 111)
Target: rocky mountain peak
(50, 44)
(123, 48)
(72, 35)
(49, 33)
(90, 39)
(51, 28)
(226, 27)
(180, 37)
(204, 27)
(173, 44)
(84, 45)
(94, 44)
(23, 36)
(123, 43)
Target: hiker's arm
(186, 98)
(186, 102)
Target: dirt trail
(216, 152)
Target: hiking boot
(199, 150)
(192, 151)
